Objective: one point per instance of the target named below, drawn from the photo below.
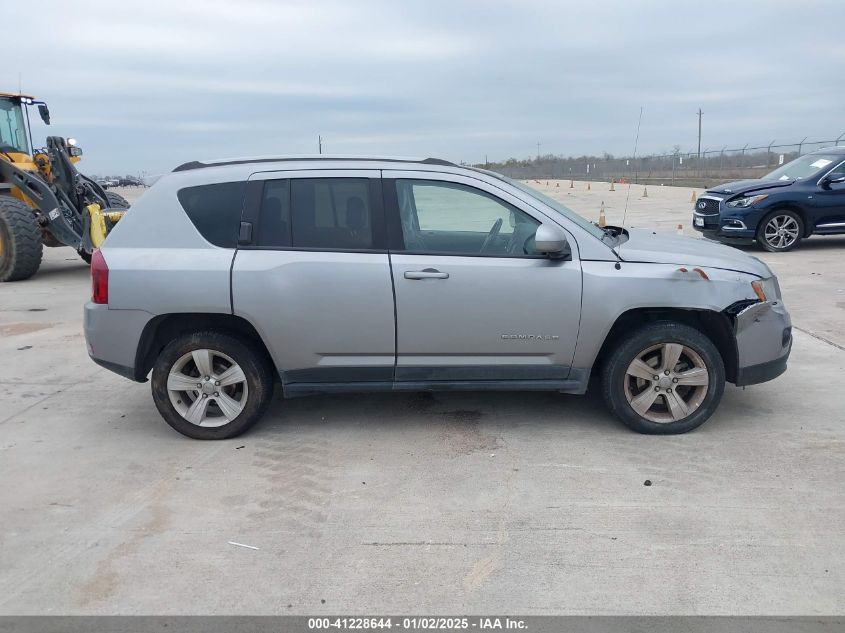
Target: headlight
(766, 289)
(71, 142)
(747, 201)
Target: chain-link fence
(686, 169)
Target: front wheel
(20, 240)
(211, 385)
(780, 231)
(665, 378)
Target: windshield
(12, 130)
(803, 167)
(565, 211)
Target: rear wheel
(20, 240)
(780, 231)
(666, 378)
(211, 385)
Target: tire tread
(26, 248)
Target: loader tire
(116, 201)
(20, 240)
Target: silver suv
(338, 274)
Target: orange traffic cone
(645, 192)
(602, 219)
(612, 188)
(692, 197)
(680, 229)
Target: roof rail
(196, 164)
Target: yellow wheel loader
(44, 200)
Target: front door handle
(428, 273)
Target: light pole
(699, 133)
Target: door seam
(385, 211)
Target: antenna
(628, 193)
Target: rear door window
(319, 213)
(215, 210)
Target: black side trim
(755, 374)
(346, 375)
(310, 388)
(484, 385)
(482, 372)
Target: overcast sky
(148, 85)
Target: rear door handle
(428, 273)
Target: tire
(20, 240)
(253, 393)
(116, 201)
(790, 222)
(86, 257)
(698, 356)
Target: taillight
(99, 278)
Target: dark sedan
(802, 198)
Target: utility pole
(538, 151)
(319, 144)
(699, 133)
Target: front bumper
(763, 340)
(717, 228)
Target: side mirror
(833, 179)
(551, 241)
(44, 111)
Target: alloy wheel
(207, 388)
(666, 382)
(781, 231)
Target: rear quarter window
(215, 210)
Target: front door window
(455, 219)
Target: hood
(656, 248)
(747, 186)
